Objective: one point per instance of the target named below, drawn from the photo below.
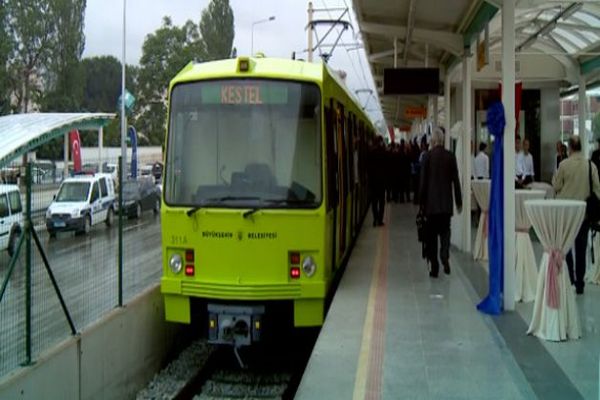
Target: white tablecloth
(481, 190)
(556, 223)
(525, 265)
(542, 186)
(593, 272)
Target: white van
(11, 217)
(81, 202)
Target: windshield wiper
(193, 211)
(249, 212)
(289, 201)
(217, 200)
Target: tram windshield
(244, 143)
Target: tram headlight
(309, 267)
(176, 263)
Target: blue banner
(133, 140)
(492, 304)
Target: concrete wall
(111, 360)
(550, 130)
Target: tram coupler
(234, 325)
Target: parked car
(111, 169)
(140, 195)
(82, 201)
(11, 217)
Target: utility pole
(310, 31)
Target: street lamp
(271, 18)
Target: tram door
(340, 130)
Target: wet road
(86, 271)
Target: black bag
(592, 209)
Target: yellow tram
(263, 194)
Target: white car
(11, 217)
(81, 202)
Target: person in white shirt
(526, 164)
(482, 163)
(518, 163)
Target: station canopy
(22, 133)
(555, 41)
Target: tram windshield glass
(244, 143)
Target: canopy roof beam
(451, 42)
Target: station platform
(392, 332)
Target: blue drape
(492, 304)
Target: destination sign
(244, 93)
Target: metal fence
(63, 267)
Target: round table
(525, 265)
(481, 191)
(556, 223)
(546, 187)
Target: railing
(53, 282)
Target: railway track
(203, 372)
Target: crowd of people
(394, 173)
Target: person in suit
(571, 182)
(439, 176)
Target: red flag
(391, 131)
(75, 149)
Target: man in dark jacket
(439, 175)
(377, 179)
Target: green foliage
(164, 53)
(65, 74)
(6, 46)
(217, 30)
(32, 32)
(102, 83)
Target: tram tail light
(189, 256)
(189, 270)
(294, 258)
(295, 272)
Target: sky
(277, 38)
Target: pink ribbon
(554, 266)
(485, 223)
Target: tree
(65, 74)
(164, 53)
(217, 30)
(32, 32)
(6, 46)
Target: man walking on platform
(439, 175)
(572, 182)
(377, 180)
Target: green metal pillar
(28, 227)
(120, 256)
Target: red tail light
(189, 270)
(295, 272)
(294, 258)
(189, 255)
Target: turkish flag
(75, 142)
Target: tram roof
(556, 41)
(21, 133)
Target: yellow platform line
(360, 381)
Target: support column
(434, 121)
(447, 121)
(582, 110)
(100, 147)
(508, 99)
(466, 152)
(66, 156)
